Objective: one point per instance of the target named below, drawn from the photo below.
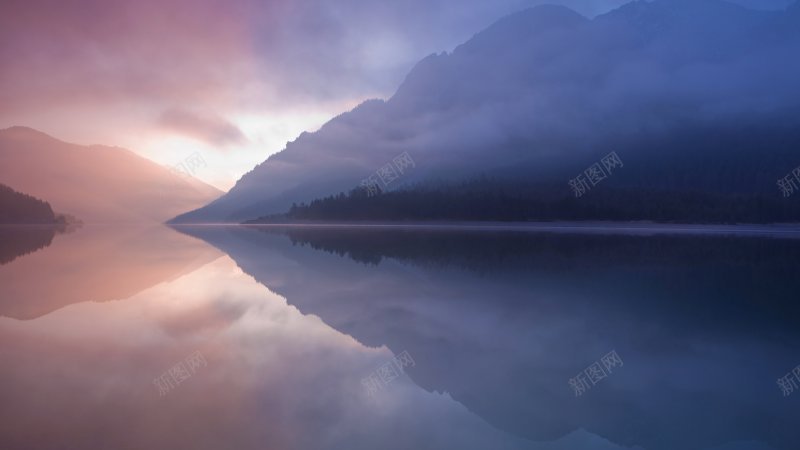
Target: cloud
(233, 55)
(244, 54)
(102, 53)
(98, 71)
(212, 129)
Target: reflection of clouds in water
(275, 378)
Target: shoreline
(594, 227)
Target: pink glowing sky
(233, 80)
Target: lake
(394, 337)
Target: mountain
(494, 200)
(18, 208)
(697, 97)
(96, 183)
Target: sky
(230, 80)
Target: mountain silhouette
(27, 224)
(96, 183)
(21, 209)
(695, 96)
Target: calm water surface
(392, 338)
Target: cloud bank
(210, 128)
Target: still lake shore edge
(599, 227)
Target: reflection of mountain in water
(502, 321)
(481, 251)
(20, 241)
(90, 264)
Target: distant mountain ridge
(695, 95)
(96, 183)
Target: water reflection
(16, 241)
(93, 264)
(275, 378)
(502, 321)
(291, 320)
